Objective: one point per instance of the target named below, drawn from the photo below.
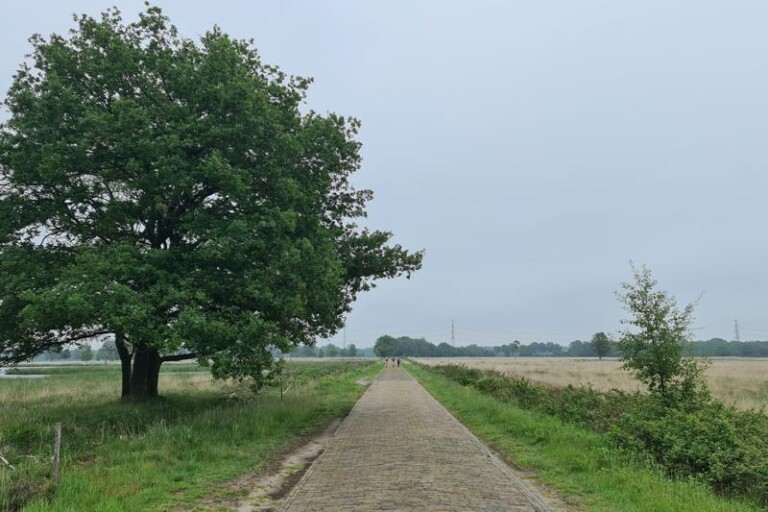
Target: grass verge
(162, 455)
(576, 462)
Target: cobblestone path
(399, 449)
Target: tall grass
(159, 454)
(740, 382)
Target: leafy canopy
(653, 341)
(173, 192)
(601, 344)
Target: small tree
(510, 349)
(601, 344)
(86, 353)
(652, 343)
(385, 346)
(352, 350)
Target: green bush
(719, 445)
(460, 373)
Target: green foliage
(652, 345)
(601, 344)
(725, 448)
(172, 193)
(718, 347)
(404, 346)
(718, 445)
(462, 374)
(329, 350)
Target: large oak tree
(173, 195)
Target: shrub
(716, 444)
(460, 373)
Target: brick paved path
(399, 449)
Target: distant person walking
(398, 362)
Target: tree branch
(178, 357)
(83, 336)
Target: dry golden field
(736, 381)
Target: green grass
(102, 369)
(161, 455)
(576, 462)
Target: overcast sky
(531, 148)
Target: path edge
(538, 503)
(291, 496)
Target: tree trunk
(153, 373)
(145, 372)
(140, 370)
(125, 363)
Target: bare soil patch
(263, 490)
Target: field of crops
(736, 381)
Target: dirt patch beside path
(263, 490)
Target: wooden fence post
(56, 456)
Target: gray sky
(532, 148)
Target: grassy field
(739, 382)
(156, 456)
(575, 462)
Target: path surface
(399, 449)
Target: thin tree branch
(178, 357)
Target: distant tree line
(107, 352)
(404, 346)
(599, 346)
(331, 350)
(718, 347)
